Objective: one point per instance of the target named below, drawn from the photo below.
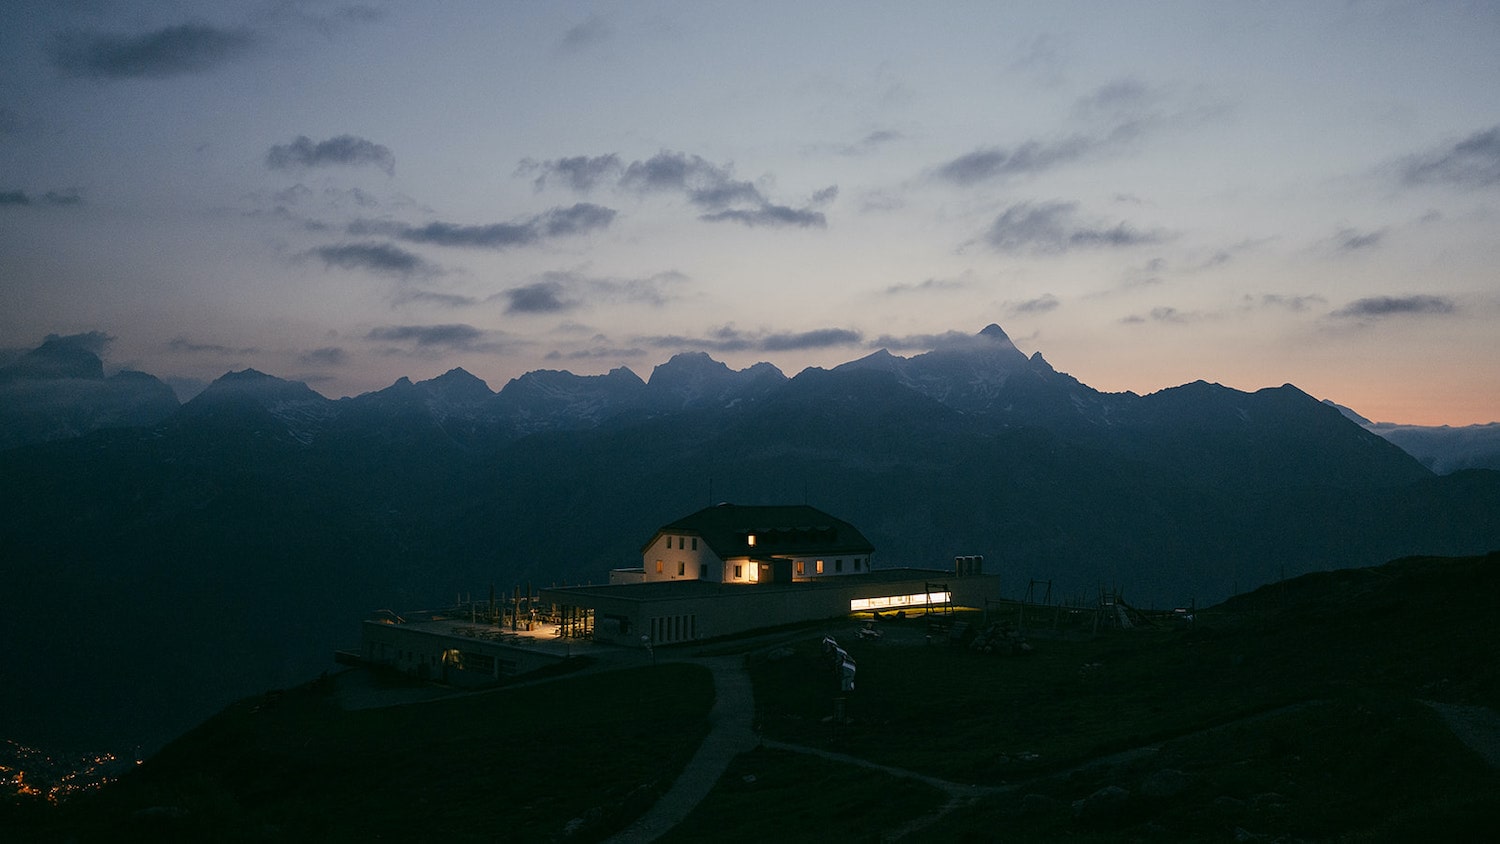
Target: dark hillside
(1310, 709)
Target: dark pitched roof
(781, 530)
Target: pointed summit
(459, 385)
(994, 332)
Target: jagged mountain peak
(252, 383)
(459, 385)
(994, 332)
(251, 397)
(687, 365)
(694, 378)
(965, 371)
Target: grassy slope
(1292, 712)
(513, 764)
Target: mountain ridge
(232, 546)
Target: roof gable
(779, 530)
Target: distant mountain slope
(1443, 449)
(234, 545)
(58, 391)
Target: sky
(1148, 194)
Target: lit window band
(921, 599)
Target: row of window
(682, 542)
(682, 569)
(674, 628)
(838, 566)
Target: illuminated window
(921, 599)
(658, 566)
(801, 567)
(750, 540)
(820, 567)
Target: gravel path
(730, 734)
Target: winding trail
(730, 733)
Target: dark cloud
(1352, 240)
(452, 336)
(377, 257)
(673, 171)
(1031, 157)
(1114, 115)
(920, 342)
(928, 286)
(1040, 305)
(1379, 307)
(540, 298)
(582, 173)
(1297, 304)
(769, 215)
(557, 222)
(600, 352)
(1053, 227)
(93, 342)
(1121, 100)
(727, 338)
(182, 344)
(343, 150)
(171, 51)
(579, 219)
(726, 193)
(708, 186)
(326, 356)
(20, 198)
(592, 31)
(1165, 314)
(820, 338)
(558, 291)
(1473, 162)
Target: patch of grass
(1362, 768)
(776, 795)
(979, 718)
(593, 750)
(1291, 713)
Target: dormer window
(750, 540)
